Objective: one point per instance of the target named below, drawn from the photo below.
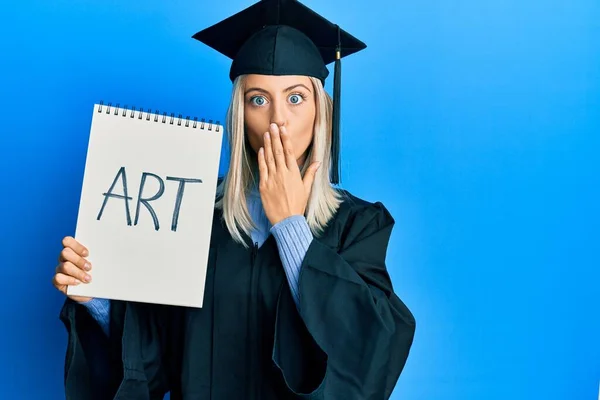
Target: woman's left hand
(283, 191)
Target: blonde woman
(298, 302)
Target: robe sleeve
(351, 336)
(91, 362)
(120, 365)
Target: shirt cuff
(99, 309)
(293, 238)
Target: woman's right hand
(73, 269)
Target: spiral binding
(148, 116)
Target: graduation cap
(284, 37)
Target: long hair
(232, 192)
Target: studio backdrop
(476, 123)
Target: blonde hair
(243, 168)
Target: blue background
(476, 122)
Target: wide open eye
(296, 98)
(258, 101)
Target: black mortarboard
(284, 37)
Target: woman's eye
(258, 100)
(296, 99)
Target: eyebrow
(257, 89)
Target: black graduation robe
(348, 339)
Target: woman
(298, 302)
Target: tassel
(335, 134)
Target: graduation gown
(349, 338)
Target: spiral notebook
(146, 205)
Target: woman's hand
(283, 191)
(73, 268)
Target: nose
(278, 115)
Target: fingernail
(88, 278)
(87, 266)
(267, 135)
(273, 125)
(85, 253)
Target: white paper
(136, 262)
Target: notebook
(147, 204)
